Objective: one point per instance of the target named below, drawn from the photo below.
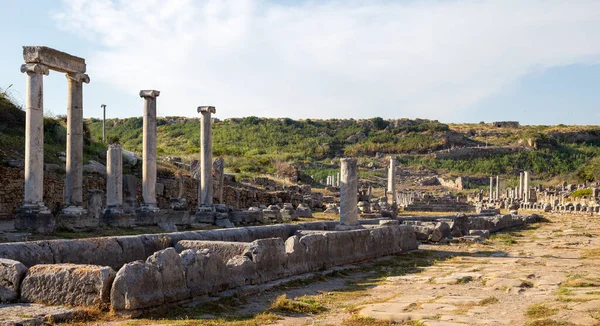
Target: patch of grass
(488, 301)
(549, 322)
(356, 320)
(591, 253)
(464, 280)
(250, 320)
(302, 305)
(539, 310)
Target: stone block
(12, 273)
(482, 233)
(224, 249)
(270, 258)
(170, 267)
(224, 222)
(28, 253)
(116, 218)
(243, 270)
(205, 272)
(207, 217)
(94, 251)
(68, 284)
(297, 257)
(137, 285)
(36, 221)
(440, 231)
(76, 222)
(54, 59)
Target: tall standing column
(149, 143)
(348, 191)
(497, 187)
(114, 176)
(74, 164)
(491, 188)
(206, 183)
(337, 182)
(526, 186)
(391, 188)
(34, 135)
(520, 186)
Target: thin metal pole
(104, 123)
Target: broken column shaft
(348, 191)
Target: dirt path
(546, 274)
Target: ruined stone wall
(168, 276)
(475, 152)
(12, 181)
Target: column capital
(37, 68)
(149, 93)
(207, 109)
(78, 77)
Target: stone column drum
(391, 188)
(491, 188)
(34, 136)
(348, 191)
(149, 149)
(206, 181)
(74, 164)
(114, 177)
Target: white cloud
(329, 59)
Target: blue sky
(537, 62)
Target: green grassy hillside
(255, 145)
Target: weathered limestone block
(316, 250)
(224, 249)
(205, 272)
(288, 213)
(54, 59)
(243, 270)
(270, 258)
(137, 285)
(303, 210)
(482, 233)
(441, 231)
(94, 251)
(156, 242)
(70, 284)
(422, 232)
(28, 253)
(12, 273)
(408, 238)
(170, 267)
(297, 257)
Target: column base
(116, 217)
(75, 218)
(343, 227)
(35, 218)
(205, 214)
(147, 214)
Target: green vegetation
(581, 193)
(539, 310)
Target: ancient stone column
(74, 164)
(337, 181)
(34, 134)
(391, 188)
(348, 191)
(206, 181)
(520, 194)
(498, 187)
(526, 186)
(491, 188)
(114, 177)
(149, 148)
(219, 171)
